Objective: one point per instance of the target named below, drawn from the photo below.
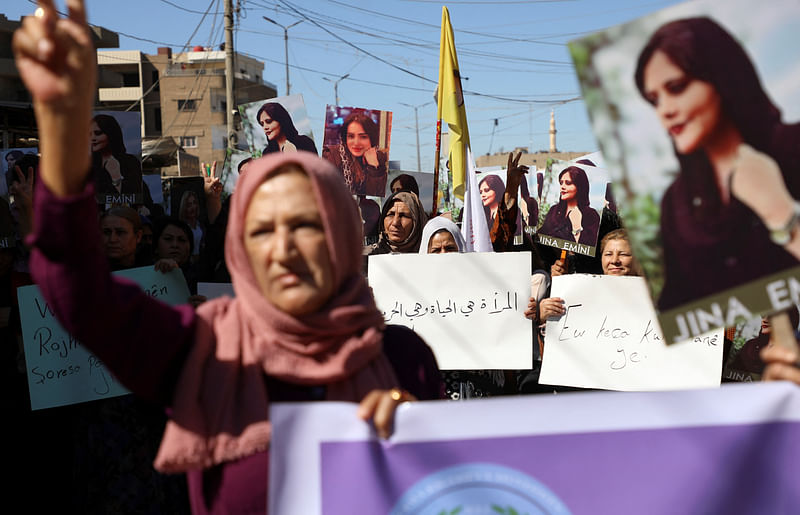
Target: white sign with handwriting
(609, 338)
(467, 307)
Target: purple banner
(720, 469)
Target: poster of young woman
(235, 160)
(277, 125)
(116, 147)
(570, 206)
(357, 142)
(696, 109)
(9, 158)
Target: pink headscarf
(221, 404)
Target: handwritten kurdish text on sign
(468, 307)
(609, 338)
(60, 370)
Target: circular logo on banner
(479, 488)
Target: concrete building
(17, 123)
(537, 159)
(180, 96)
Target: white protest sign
(215, 290)
(61, 371)
(610, 338)
(467, 307)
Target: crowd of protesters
(303, 325)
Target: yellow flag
(450, 99)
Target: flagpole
(436, 166)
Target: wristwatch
(783, 235)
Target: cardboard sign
(468, 307)
(609, 338)
(60, 370)
(593, 452)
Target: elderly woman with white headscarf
(440, 236)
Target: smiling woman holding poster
(730, 216)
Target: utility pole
(336, 85)
(416, 121)
(229, 75)
(285, 45)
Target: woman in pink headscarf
(303, 325)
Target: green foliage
(641, 216)
(454, 511)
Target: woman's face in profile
(488, 196)
(119, 238)
(617, 258)
(98, 139)
(285, 243)
(357, 139)
(173, 244)
(689, 109)
(398, 222)
(442, 243)
(272, 129)
(568, 189)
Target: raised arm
(56, 60)
(142, 341)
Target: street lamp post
(336, 85)
(285, 44)
(416, 121)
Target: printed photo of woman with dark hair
(277, 125)
(356, 148)
(706, 152)
(117, 174)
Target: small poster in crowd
(357, 142)
(570, 205)
(277, 125)
(12, 157)
(60, 370)
(492, 187)
(696, 111)
(235, 160)
(187, 203)
(115, 139)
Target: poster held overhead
(357, 142)
(116, 147)
(277, 125)
(570, 210)
(707, 170)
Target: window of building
(154, 79)
(130, 80)
(188, 104)
(189, 141)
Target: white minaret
(552, 131)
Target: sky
(512, 55)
